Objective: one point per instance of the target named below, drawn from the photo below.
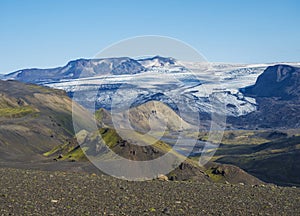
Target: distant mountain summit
(281, 81)
(94, 67)
(158, 61)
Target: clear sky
(49, 33)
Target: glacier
(125, 82)
(197, 85)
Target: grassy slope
(111, 139)
(16, 112)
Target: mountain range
(37, 132)
(242, 92)
(121, 79)
(83, 68)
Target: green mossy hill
(110, 137)
(103, 117)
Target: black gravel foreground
(28, 192)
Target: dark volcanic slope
(43, 193)
(276, 162)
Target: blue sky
(49, 33)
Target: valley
(144, 108)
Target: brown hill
(153, 115)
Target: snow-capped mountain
(79, 69)
(199, 87)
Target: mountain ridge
(81, 68)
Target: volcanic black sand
(33, 192)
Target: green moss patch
(16, 112)
(77, 154)
(215, 175)
(109, 136)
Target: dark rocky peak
(281, 81)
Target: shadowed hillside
(33, 120)
(276, 161)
